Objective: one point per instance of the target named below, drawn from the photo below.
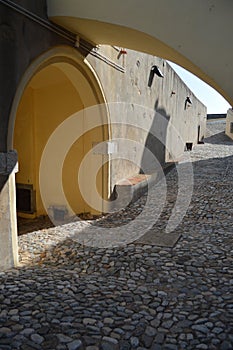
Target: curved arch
(64, 72)
(193, 34)
(58, 56)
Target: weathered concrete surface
(154, 117)
(8, 226)
(159, 239)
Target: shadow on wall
(155, 145)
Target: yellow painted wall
(53, 104)
(24, 138)
(48, 100)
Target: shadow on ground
(131, 297)
(217, 139)
(30, 225)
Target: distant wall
(163, 106)
(229, 123)
(216, 116)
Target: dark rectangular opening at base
(188, 146)
(25, 198)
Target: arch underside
(56, 90)
(194, 34)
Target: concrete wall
(229, 123)
(22, 40)
(160, 109)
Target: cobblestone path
(70, 296)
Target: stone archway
(55, 87)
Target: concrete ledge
(128, 190)
(135, 186)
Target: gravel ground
(68, 295)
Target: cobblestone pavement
(70, 296)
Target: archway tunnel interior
(50, 97)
